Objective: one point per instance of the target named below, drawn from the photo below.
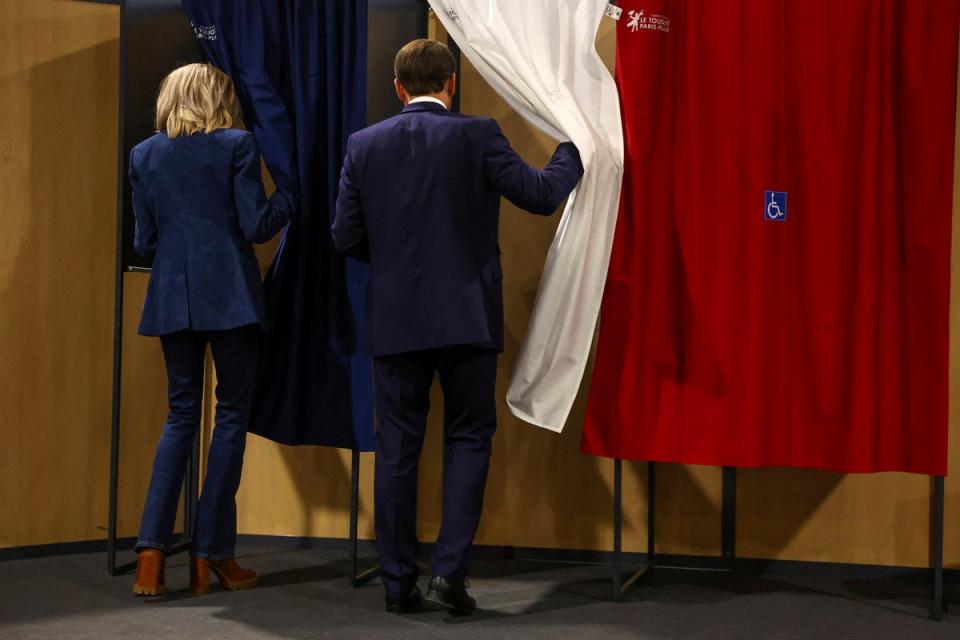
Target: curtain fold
(300, 70)
(540, 56)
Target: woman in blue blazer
(199, 203)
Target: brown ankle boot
(231, 576)
(150, 573)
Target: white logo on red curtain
(643, 21)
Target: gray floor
(303, 595)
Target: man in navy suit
(420, 200)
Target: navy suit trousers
(401, 401)
(235, 356)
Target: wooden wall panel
(58, 123)
(952, 516)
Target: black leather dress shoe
(405, 605)
(451, 594)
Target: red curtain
(779, 288)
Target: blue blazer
(199, 202)
(420, 200)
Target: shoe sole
(433, 598)
(402, 610)
(231, 586)
(240, 586)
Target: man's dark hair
(424, 66)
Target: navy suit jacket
(420, 200)
(199, 202)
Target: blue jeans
(235, 356)
(401, 386)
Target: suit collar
(423, 106)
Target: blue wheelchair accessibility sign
(775, 205)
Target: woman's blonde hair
(196, 97)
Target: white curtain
(539, 55)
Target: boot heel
(199, 576)
(231, 576)
(150, 581)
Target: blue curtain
(300, 70)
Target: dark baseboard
(62, 549)
(629, 559)
(533, 554)
(297, 543)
